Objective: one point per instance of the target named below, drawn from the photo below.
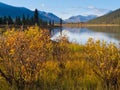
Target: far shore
(25, 26)
(88, 25)
(71, 25)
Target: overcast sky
(67, 8)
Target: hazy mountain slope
(80, 18)
(8, 10)
(110, 18)
(49, 16)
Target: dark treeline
(26, 20)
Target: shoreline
(25, 26)
(91, 25)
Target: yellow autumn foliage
(29, 60)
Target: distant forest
(26, 20)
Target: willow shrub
(29, 60)
(21, 55)
(104, 59)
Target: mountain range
(80, 18)
(110, 18)
(49, 16)
(8, 10)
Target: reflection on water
(81, 35)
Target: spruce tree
(61, 22)
(23, 20)
(18, 21)
(36, 17)
(4, 20)
(10, 20)
(50, 23)
(53, 23)
(1, 20)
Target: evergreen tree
(5, 20)
(23, 20)
(61, 22)
(50, 23)
(41, 21)
(53, 23)
(44, 23)
(28, 20)
(1, 20)
(10, 20)
(31, 21)
(36, 17)
(18, 21)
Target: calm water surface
(81, 35)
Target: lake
(81, 35)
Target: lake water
(81, 35)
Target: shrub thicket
(29, 60)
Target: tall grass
(29, 60)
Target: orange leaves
(32, 57)
(12, 51)
(22, 53)
(104, 59)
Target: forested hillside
(110, 18)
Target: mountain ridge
(110, 18)
(80, 18)
(13, 11)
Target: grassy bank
(29, 60)
(88, 25)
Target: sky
(67, 8)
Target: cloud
(89, 10)
(97, 11)
(42, 5)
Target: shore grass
(88, 25)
